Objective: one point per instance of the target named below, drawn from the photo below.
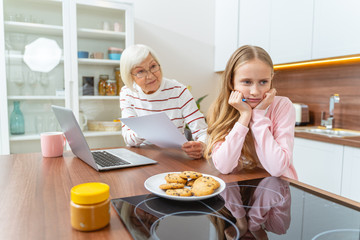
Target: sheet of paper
(156, 128)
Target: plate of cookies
(185, 186)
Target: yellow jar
(110, 87)
(90, 206)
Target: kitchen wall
(182, 34)
(315, 85)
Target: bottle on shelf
(17, 123)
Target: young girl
(246, 102)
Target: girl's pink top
(273, 133)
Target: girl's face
(253, 80)
(147, 75)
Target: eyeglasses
(143, 73)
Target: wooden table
(35, 191)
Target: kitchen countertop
(346, 141)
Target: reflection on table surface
(244, 209)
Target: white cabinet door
(291, 30)
(351, 177)
(226, 25)
(336, 28)
(319, 164)
(237, 23)
(254, 23)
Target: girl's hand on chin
(268, 99)
(235, 100)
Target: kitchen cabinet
(226, 20)
(336, 24)
(282, 28)
(332, 167)
(291, 31)
(350, 172)
(81, 25)
(254, 29)
(237, 25)
(319, 164)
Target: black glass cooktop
(267, 208)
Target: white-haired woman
(146, 91)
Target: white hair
(131, 57)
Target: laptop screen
(74, 135)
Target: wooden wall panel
(314, 86)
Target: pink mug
(52, 144)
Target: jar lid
(90, 193)
(117, 69)
(111, 81)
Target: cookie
(184, 192)
(190, 174)
(174, 178)
(166, 186)
(190, 183)
(208, 180)
(201, 188)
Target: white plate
(152, 184)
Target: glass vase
(17, 123)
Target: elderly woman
(146, 91)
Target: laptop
(100, 160)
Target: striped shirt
(172, 98)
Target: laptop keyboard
(106, 159)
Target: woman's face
(151, 80)
(253, 80)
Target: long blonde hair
(222, 117)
